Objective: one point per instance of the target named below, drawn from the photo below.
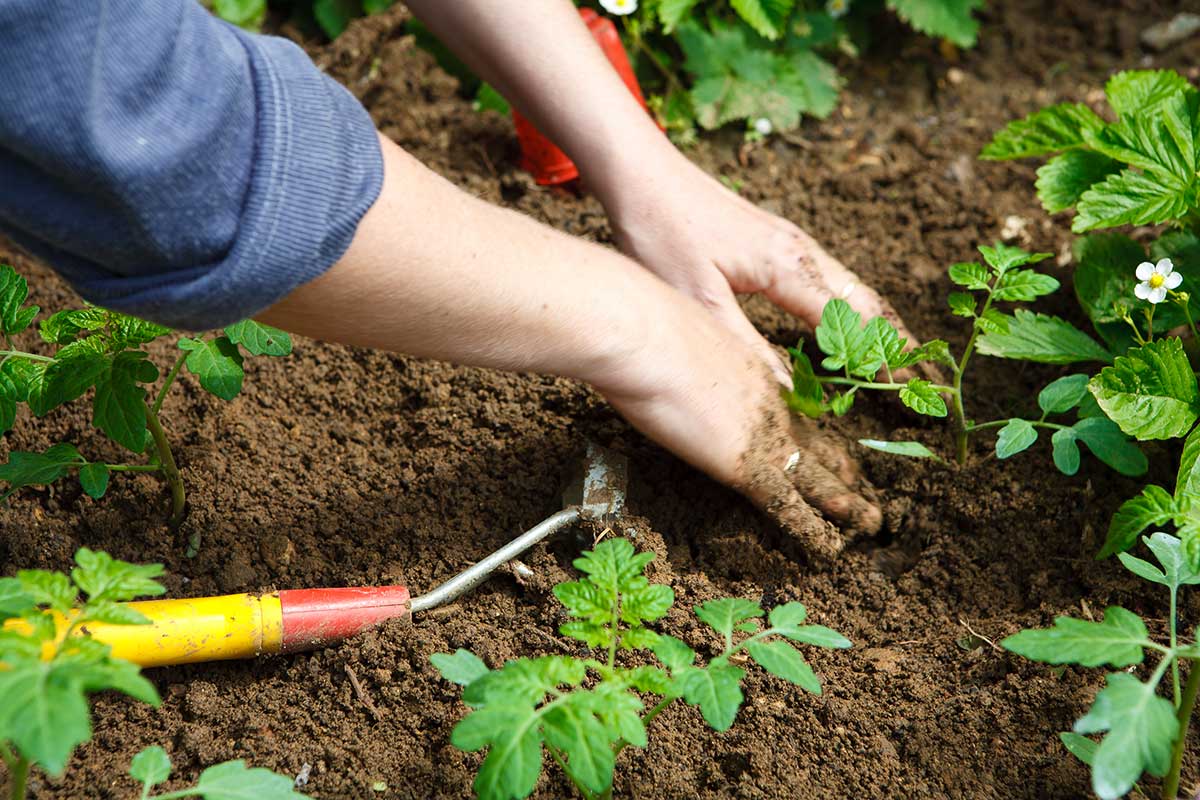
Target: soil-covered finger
(835, 498)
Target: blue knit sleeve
(170, 165)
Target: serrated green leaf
(44, 714)
(1037, 337)
(1062, 179)
(1141, 730)
(217, 363)
(574, 729)
(35, 469)
(840, 404)
(461, 666)
(646, 604)
(259, 339)
(910, 449)
(885, 345)
(1081, 747)
(76, 369)
(590, 633)
(962, 304)
(15, 316)
(673, 653)
(1049, 130)
(114, 613)
(151, 766)
(919, 395)
(9, 394)
(1065, 451)
(524, 682)
(721, 615)
(1018, 435)
(1063, 394)
(1110, 445)
(739, 76)
(638, 638)
(1176, 569)
(1130, 198)
(1139, 91)
(94, 480)
(1002, 257)
(673, 12)
(620, 711)
(102, 577)
(14, 600)
(1117, 641)
(969, 274)
(816, 635)
(51, 589)
(946, 19)
(233, 780)
(1104, 283)
(841, 337)
(787, 615)
(248, 14)
(514, 760)
(1187, 479)
(1153, 507)
(766, 17)
(784, 661)
(1150, 392)
(716, 690)
(119, 406)
(1024, 285)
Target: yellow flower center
(1156, 281)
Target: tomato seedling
(95, 348)
(535, 703)
(1143, 731)
(231, 780)
(870, 356)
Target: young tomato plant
(869, 358)
(1143, 730)
(102, 350)
(1141, 169)
(49, 663)
(231, 780)
(531, 703)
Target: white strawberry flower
(763, 126)
(837, 8)
(1156, 280)
(619, 7)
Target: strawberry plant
(1140, 165)
(49, 664)
(1143, 731)
(535, 704)
(101, 350)
(870, 356)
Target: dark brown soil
(340, 466)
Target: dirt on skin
(340, 466)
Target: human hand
(700, 391)
(708, 242)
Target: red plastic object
(315, 617)
(542, 157)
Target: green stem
(1184, 716)
(20, 778)
(23, 354)
(639, 44)
(1187, 312)
(134, 467)
(562, 764)
(170, 472)
(997, 423)
(1150, 323)
(1174, 640)
(171, 376)
(960, 412)
(884, 387)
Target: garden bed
(341, 466)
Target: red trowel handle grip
(541, 156)
(315, 617)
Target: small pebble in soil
(302, 776)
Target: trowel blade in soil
(600, 490)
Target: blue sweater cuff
(317, 168)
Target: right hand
(702, 392)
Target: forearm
(435, 272)
(543, 59)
